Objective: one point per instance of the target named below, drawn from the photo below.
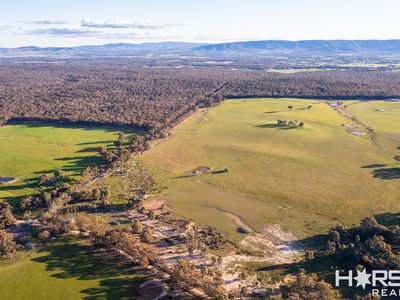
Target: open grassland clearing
(294, 71)
(383, 117)
(28, 150)
(66, 269)
(306, 179)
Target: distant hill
(325, 46)
(114, 49)
(294, 47)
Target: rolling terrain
(319, 46)
(306, 179)
(299, 47)
(231, 167)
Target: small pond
(6, 179)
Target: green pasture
(383, 117)
(67, 269)
(28, 150)
(306, 179)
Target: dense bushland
(159, 98)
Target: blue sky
(78, 22)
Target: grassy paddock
(385, 123)
(306, 179)
(28, 150)
(66, 269)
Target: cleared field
(28, 150)
(66, 269)
(383, 117)
(293, 71)
(306, 179)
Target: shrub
(6, 216)
(8, 248)
(44, 236)
(136, 227)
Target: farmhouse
(202, 170)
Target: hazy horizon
(46, 23)
(191, 42)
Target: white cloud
(124, 24)
(61, 31)
(98, 33)
(47, 22)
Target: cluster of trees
(102, 93)
(119, 155)
(6, 216)
(65, 196)
(187, 276)
(55, 199)
(8, 248)
(126, 245)
(203, 237)
(156, 99)
(145, 233)
(141, 143)
(370, 244)
(58, 177)
(65, 192)
(308, 287)
(115, 157)
(194, 243)
(290, 124)
(326, 85)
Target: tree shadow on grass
(381, 171)
(89, 150)
(75, 164)
(268, 126)
(81, 162)
(316, 243)
(72, 259)
(96, 143)
(276, 126)
(81, 125)
(17, 187)
(183, 176)
(75, 260)
(387, 173)
(388, 219)
(322, 265)
(373, 166)
(116, 288)
(12, 200)
(271, 112)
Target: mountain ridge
(285, 46)
(344, 46)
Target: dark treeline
(159, 98)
